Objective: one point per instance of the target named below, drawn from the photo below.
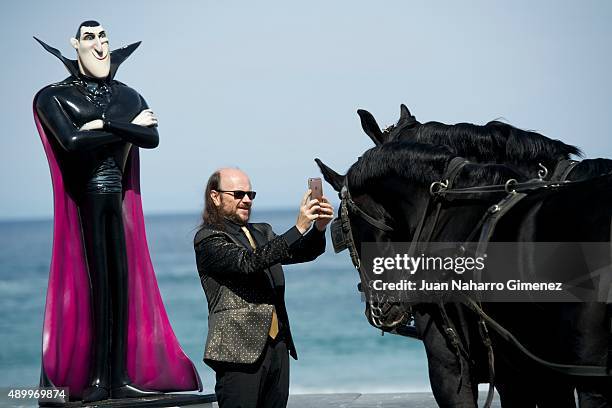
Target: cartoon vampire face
(92, 48)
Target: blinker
(339, 238)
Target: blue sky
(270, 85)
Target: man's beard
(236, 219)
(232, 216)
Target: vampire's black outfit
(243, 287)
(92, 164)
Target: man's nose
(246, 199)
(98, 44)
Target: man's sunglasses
(239, 194)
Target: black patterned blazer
(243, 285)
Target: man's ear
(216, 197)
(75, 43)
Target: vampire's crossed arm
(72, 139)
(142, 136)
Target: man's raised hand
(309, 211)
(326, 213)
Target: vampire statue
(106, 333)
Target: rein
(365, 216)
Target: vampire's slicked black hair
(88, 23)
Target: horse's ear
(334, 179)
(406, 118)
(370, 127)
(404, 112)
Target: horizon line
(41, 218)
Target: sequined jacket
(243, 285)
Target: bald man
(239, 264)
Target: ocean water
(338, 350)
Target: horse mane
(420, 164)
(493, 142)
(591, 168)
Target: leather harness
(441, 191)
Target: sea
(338, 350)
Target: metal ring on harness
(438, 187)
(509, 184)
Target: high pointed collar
(117, 57)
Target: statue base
(157, 401)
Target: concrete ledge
(356, 400)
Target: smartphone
(316, 187)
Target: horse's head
(379, 207)
(385, 198)
(404, 129)
(360, 218)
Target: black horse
(494, 142)
(390, 186)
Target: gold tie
(273, 332)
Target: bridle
(342, 238)
(342, 235)
(341, 232)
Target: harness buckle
(484, 332)
(494, 208)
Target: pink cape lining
(155, 359)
